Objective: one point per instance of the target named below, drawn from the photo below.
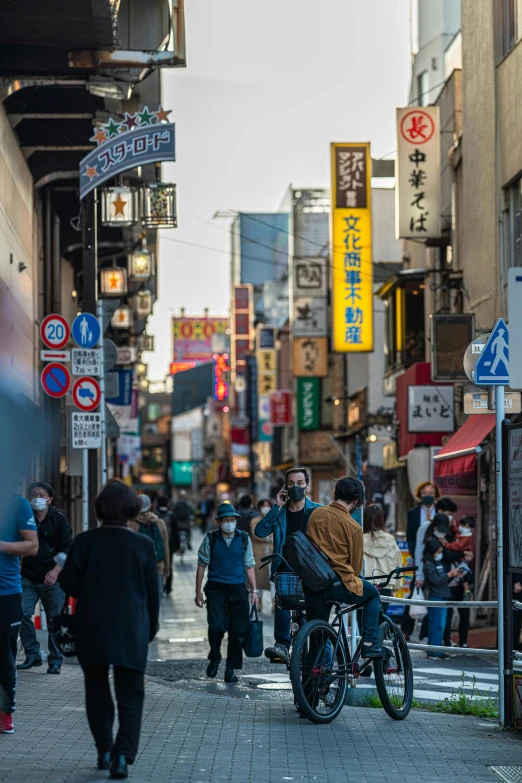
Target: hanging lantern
(119, 206)
(141, 369)
(159, 205)
(143, 304)
(140, 265)
(122, 318)
(113, 281)
(146, 342)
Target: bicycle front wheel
(318, 672)
(394, 674)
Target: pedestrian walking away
(246, 514)
(184, 513)
(149, 524)
(163, 512)
(40, 575)
(18, 538)
(112, 572)
(262, 548)
(340, 538)
(289, 514)
(228, 555)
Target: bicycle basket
(289, 591)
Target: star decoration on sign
(91, 172)
(119, 206)
(130, 121)
(161, 114)
(114, 281)
(122, 316)
(145, 116)
(100, 135)
(112, 128)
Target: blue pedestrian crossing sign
(86, 330)
(492, 367)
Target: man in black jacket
(40, 574)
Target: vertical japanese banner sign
(351, 248)
(417, 190)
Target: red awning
(468, 438)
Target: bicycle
(321, 665)
(288, 595)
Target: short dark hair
(40, 485)
(117, 503)
(446, 504)
(469, 520)
(441, 521)
(162, 500)
(297, 470)
(245, 501)
(431, 546)
(261, 503)
(349, 489)
(373, 519)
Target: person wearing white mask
(229, 557)
(40, 574)
(262, 548)
(437, 585)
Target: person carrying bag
(253, 646)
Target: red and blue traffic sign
(86, 393)
(54, 331)
(56, 380)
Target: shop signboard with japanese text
(310, 277)
(193, 338)
(430, 409)
(310, 357)
(417, 190)
(281, 408)
(310, 317)
(351, 248)
(308, 403)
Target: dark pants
(407, 622)
(228, 611)
(319, 605)
(282, 626)
(436, 625)
(130, 690)
(457, 594)
(52, 598)
(10, 619)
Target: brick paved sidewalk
(190, 737)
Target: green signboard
(182, 473)
(308, 407)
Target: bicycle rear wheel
(394, 674)
(318, 672)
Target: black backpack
(309, 563)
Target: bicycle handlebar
(268, 559)
(392, 575)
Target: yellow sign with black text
(351, 248)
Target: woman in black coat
(112, 571)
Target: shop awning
(468, 438)
(456, 462)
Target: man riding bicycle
(336, 533)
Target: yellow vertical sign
(351, 248)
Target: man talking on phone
(289, 514)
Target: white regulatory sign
(86, 430)
(86, 361)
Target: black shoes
(29, 663)
(54, 668)
(278, 653)
(230, 676)
(104, 760)
(212, 669)
(119, 768)
(373, 651)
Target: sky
(267, 87)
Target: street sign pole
(99, 313)
(499, 418)
(85, 489)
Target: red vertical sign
(280, 408)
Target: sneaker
(230, 676)
(373, 651)
(6, 723)
(280, 651)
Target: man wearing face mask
(228, 555)
(40, 574)
(290, 513)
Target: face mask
(296, 493)
(39, 504)
(438, 557)
(228, 527)
(428, 500)
(265, 510)
(465, 531)
(440, 535)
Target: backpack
(309, 562)
(212, 538)
(153, 532)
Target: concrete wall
(438, 22)
(509, 107)
(18, 246)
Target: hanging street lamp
(122, 318)
(140, 265)
(143, 304)
(113, 281)
(159, 205)
(119, 206)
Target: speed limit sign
(54, 331)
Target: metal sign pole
(99, 313)
(499, 417)
(85, 489)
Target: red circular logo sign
(86, 394)
(417, 127)
(55, 332)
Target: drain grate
(509, 774)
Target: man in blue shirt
(18, 538)
(290, 513)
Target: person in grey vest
(228, 555)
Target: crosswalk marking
(458, 673)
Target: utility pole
(90, 296)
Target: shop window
(404, 323)
(510, 18)
(513, 226)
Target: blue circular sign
(55, 380)
(86, 330)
